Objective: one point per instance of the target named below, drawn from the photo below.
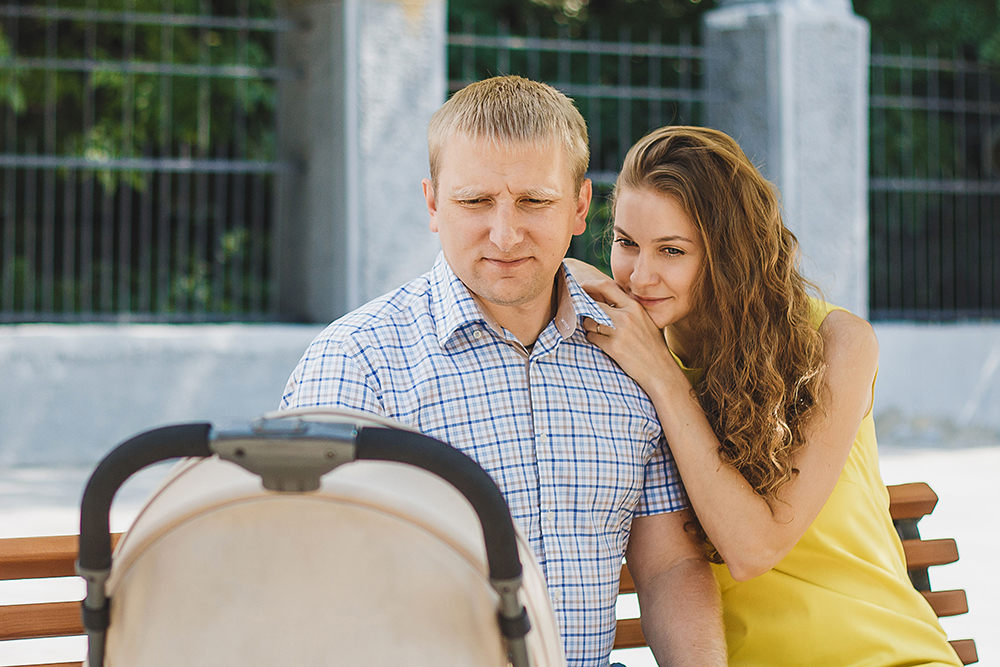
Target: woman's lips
(647, 302)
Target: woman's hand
(635, 343)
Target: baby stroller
(407, 556)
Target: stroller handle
(128, 458)
(255, 450)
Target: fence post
(367, 75)
(788, 79)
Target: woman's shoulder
(844, 334)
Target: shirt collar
(454, 307)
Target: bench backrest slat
(55, 556)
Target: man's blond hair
(511, 109)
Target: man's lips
(506, 263)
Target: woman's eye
(624, 243)
(673, 251)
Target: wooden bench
(41, 557)
(908, 503)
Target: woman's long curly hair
(761, 355)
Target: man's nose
(506, 231)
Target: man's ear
(583, 206)
(431, 202)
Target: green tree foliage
(673, 16)
(970, 25)
(134, 113)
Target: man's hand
(678, 596)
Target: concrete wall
(70, 393)
(938, 384)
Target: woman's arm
(751, 534)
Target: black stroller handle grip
(455, 467)
(128, 458)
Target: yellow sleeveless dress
(841, 597)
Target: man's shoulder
(389, 315)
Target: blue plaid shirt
(570, 439)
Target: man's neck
(526, 321)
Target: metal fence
(137, 167)
(624, 84)
(935, 187)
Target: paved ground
(35, 501)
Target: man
(487, 352)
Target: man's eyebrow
(469, 193)
(541, 193)
(663, 239)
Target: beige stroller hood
(384, 564)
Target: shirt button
(550, 516)
(543, 438)
(556, 596)
(477, 334)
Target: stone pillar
(788, 79)
(353, 224)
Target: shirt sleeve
(662, 489)
(327, 375)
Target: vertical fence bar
(240, 243)
(125, 250)
(87, 203)
(563, 58)
(655, 78)
(987, 224)
(30, 224)
(10, 188)
(907, 227)
(961, 173)
(236, 264)
(503, 51)
(182, 278)
(163, 301)
(983, 264)
(105, 266)
(534, 55)
(879, 203)
(594, 102)
(934, 172)
(200, 265)
(469, 52)
(49, 188)
(257, 244)
(219, 247)
(624, 103)
(144, 285)
(69, 291)
(687, 78)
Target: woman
(775, 443)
